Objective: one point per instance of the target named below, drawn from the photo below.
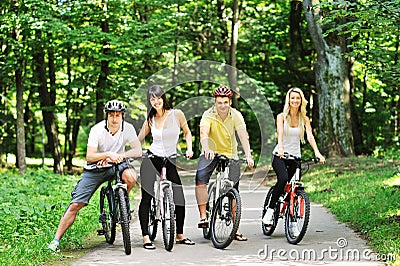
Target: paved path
(320, 245)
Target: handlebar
(224, 157)
(174, 156)
(287, 155)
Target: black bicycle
(115, 209)
(293, 205)
(224, 206)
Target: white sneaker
(53, 246)
(268, 218)
(294, 229)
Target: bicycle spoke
(225, 219)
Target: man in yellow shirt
(218, 126)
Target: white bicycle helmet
(114, 106)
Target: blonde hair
(302, 112)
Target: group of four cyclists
(218, 128)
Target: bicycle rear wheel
(296, 224)
(106, 218)
(225, 219)
(124, 220)
(209, 209)
(268, 230)
(168, 220)
(153, 223)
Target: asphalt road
(327, 242)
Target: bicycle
(293, 204)
(224, 206)
(115, 209)
(162, 206)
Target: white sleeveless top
(165, 139)
(291, 140)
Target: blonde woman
(291, 126)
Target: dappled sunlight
(394, 181)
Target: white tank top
(165, 139)
(291, 141)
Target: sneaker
(53, 246)
(268, 218)
(294, 229)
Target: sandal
(240, 237)
(185, 241)
(203, 223)
(149, 245)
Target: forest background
(60, 62)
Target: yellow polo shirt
(222, 138)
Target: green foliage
(31, 207)
(364, 193)
(139, 38)
(371, 28)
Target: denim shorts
(91, 181)
(206, 167)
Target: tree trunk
(333, 87)
(297, 66)
(47, 105)
(232, 52)
(101, 85)
(21, 151)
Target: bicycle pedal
(203, 225)
(100, 232)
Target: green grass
(364, 193)
(30, 209)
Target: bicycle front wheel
(153, 223)
(225, 219)
(107, 219)
(124, 220)
(268, 230)
(209, 209)
(297, 222)
(168, 219)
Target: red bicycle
(293, 204)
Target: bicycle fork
(115, 188)
(164, 183)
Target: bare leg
(68, 219)
(202, 197)
(129, 178)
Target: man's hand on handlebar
(209, 154)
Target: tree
(332, 83)
(21, 151)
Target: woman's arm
(186, 131)
(311, 140)
(279, 130)
(144, 131)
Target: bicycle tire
(153, 223)
(268, 230)
(168, 219)
(223, 225)
(209, 209)
(301, 217)
(124, 220)
(107, 220)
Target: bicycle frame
(290, 190)
(222, 177)
(159, 186)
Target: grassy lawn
(364, 193)
(30, 210)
